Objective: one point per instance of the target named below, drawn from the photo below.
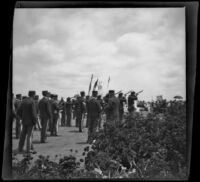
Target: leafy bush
(152, 147)
(155, 145)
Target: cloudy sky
(139, 48)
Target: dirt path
(68, 138)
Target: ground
(68, 138)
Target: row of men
(48, 109)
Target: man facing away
(63, 112)
(68, 109)
(94, 110)
(113, 108)
(17, 104)
(45, 115)
(100, 100)
(86, 104)
(131, 100)
(55, 113)
(122, 101)
(27, 112)
(80, 109)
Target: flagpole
(90, 84)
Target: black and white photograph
(99, 93)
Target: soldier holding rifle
(113, 108)
(94, 110)
(122, 101)
(131, 100)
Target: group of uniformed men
(30, 112)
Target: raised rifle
(138, 92)
(118, 92)
(127, 92)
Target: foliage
(152, 147)
(155, 146)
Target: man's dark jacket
(94, 108)
(44, 108)
(27, 111)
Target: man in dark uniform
(113, 108)
(51, 100)
(73, 109)
(17, 104)
(58, 116)
(27, 112)
(68, 109)
(122, 101)
(55, 113)
(131, 100)
(94, 110)
(63, 112)
(105, 108)
(80, 111)
(37, 109)
(45, 115)
(100, 100)
(86, 104)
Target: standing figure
(131, 101)
(58, 115)
(55, 113)
(63, 112)
(86, 104)
(94, 110)
(37, 110)
(73, 109)
(122, 101)
(68, 108)
(100, 100)
(80, 111)
(113, 108)
(45, 115)
(27, 112)
(50, 123)
(105, 107)
(17, 104)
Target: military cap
(52, 96)
(94, 93)
(36, 96)
(111, 92)
(99, 96)
(68, 98)
(18, 95)
(44, 92)
(82, 93)
(132, 93)
(120, 94)
(31, 93)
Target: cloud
(59, 49)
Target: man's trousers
(44, 122)
(26, 134)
